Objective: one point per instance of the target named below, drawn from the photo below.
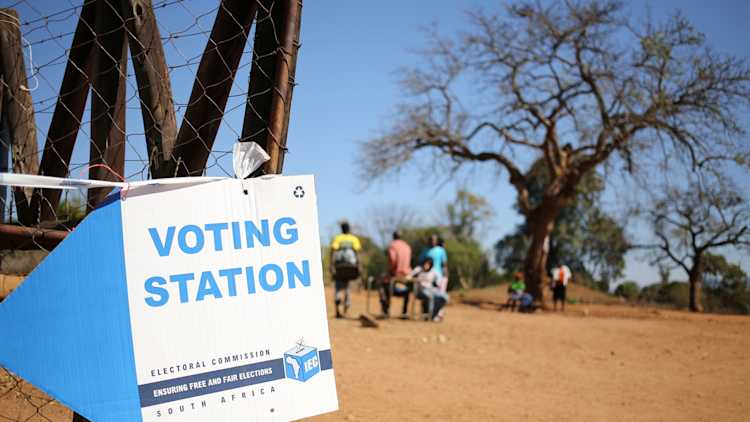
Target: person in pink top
(399, 257)
(399, 267)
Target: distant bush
(725, 289)
(725, 286)
(674, 293)
(629, 290)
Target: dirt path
(480, 364)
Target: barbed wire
(90, 105)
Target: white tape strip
(175, 181)
(48, 182)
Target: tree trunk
(696, 284)
(541, 222)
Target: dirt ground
(594, 363)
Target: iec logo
(301, 362)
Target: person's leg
(385, 296)
(554, 298)
(424, 299)
(382, 298)
(403, 291)
(439, 302)
(347, 297)
(431, 307)
(563, 297)
(446, 299)
(391, 292)
(444, 284)
(337, 296)
(560, 296)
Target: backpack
(345, 261)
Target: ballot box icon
(301, 362)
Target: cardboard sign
(182, 303)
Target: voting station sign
(200, 302)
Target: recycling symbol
(298, 192)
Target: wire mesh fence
(19, 401)
(127, 90)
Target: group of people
(520, 299)
(428, 280)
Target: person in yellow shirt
(345, 266)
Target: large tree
(573, 83)
(585, 238)
(689, 223)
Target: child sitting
(428, 290)
(515, 291)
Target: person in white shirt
(428, 290)
(560, 278)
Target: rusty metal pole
(107, 99)
(4, 155)
(27, 238)
(18, 109)
(66, 119)
(276, 144)
(212, 86)
(262, 73)
(154, 88)
(271, 77)
(292, 83)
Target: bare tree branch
(575, 85)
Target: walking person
(399, 267)
(345, 266)
(560, 278)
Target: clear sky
(347, 90)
